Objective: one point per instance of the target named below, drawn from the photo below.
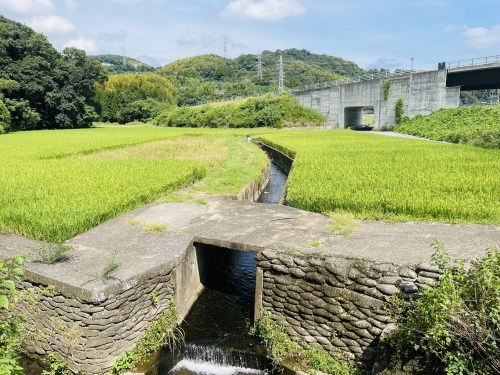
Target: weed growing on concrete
(163, 331)
(109, 268)
(281, 347)
(399, 110)
(154, 298)
(52, 253)
(342, 223)
(315, 244)
(387, 89)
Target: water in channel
(274, 189)
(217, 339)
(217, 327)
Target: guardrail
(473, 62)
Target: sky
(373, 34)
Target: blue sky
(384, 33)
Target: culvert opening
(217, 327)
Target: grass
(56, 184)
(342, 223)
(477, 126)
(390, 178)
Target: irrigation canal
(217, 339)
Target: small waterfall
(208, 360)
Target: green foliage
(4, 118)
(458, 321)
(387, 89)
(55, 366)
(476, 126)
(281, 347)
(399, 110)
(52, 253)
(134, 97)
(162, 332)
(388, 178)
(109, 268)
(42, 87)
(210, 77)
(10, 322)
(270, 110)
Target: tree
(43, 88)
(115, 98)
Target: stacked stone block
(337, 303)
(89, 334)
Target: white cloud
(483, 37)
(130, 2)
(70, 4)
(52, 25)
(27, 6)
(88, 45)
(268, 10)
(196, 37)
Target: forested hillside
(208, 77)
(117, 64)
(41, 88)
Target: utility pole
(281, 78)
(412, 63)
(225, 46)
(259, 65)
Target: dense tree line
(134, 97)
(40, 87)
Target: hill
(210, 77)
(115, 64)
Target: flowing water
(217, 326)
(274, 190)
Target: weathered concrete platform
(240, 226)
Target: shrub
(10, 323)
(280, 347)
(477, 126)
(458, 321)
(270, 110)
(4, 118)
(399, 110)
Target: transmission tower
(124, 58)
(281, 78)
(225, 46)
(259, 65)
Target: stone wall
(335, 302)
(90, 334)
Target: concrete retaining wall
(422, 93)
(334, 302)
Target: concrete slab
(236, 225)
(254, 226)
